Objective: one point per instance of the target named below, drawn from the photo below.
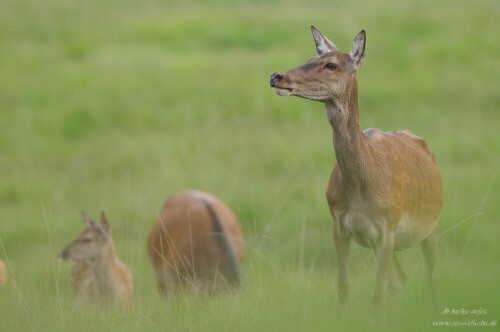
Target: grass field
(115, 105)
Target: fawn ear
(89, 222)
(358, 49)
(103, 224)
(323, 45)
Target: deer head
(325, 77)
(92, 242)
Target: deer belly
(411, 231)
(362, 229)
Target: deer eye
(87, 240)
(330, 66)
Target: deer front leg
(397, 280)
(384, 266)
(342, 243)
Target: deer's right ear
(104, 225)
(323, 45)
(89, 222)
(358, 49)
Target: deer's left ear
(103, 224)
(358, 49)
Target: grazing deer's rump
(385, 190)
(196, 241)
(3, 274)
(97, 273)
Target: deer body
(97, 273)
(398, 191)
(196, 240)
(3, 274)
(385, 190)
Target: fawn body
(385, 190)
(97, 273)
(196, 240)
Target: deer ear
(103, 224)
(89, 222)
(323, 45)
(358, 49)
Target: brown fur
(97, 273)
(3, 274)
(183, 247)
(401, 177)
(385, 190)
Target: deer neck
(103, 268)
(349, 143)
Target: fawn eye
(330, 66)
(86, 240)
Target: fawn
(97, 273)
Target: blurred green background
(115, 105)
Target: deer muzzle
(276, 78)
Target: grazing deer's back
(178, 233)
(183, 236)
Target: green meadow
(114, 105)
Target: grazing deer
(3, 274)
(196, 241)
(97, 272)
(385, 190)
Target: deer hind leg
(430, 250)
(398, 279)
(384, 254)
(169, 281)
(342, 244)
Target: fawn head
(91, 243)
(324, 77)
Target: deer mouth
(283, 91)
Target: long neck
(103, 268)
(349, 142)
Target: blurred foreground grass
(115, 105)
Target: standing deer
(196, 241)
(385, 190)
(3, 274)
(97, 273)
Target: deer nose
(275, 78)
